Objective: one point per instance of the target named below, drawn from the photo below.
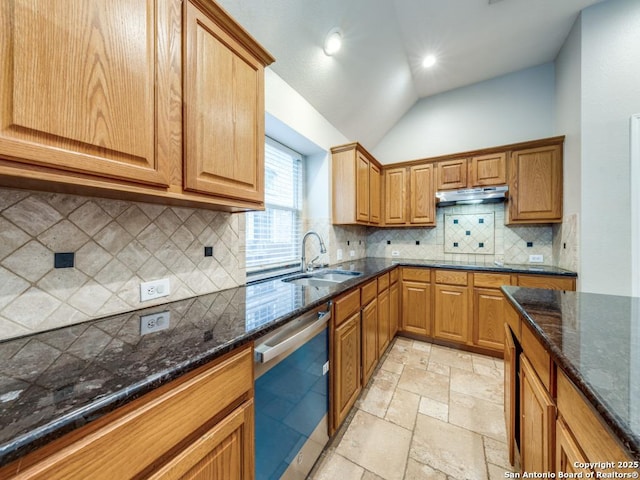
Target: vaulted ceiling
(377, 76)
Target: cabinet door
(510, 391)
(369, 340)
(362, 188)
(394, 309)
(422, 203)
(451, 313)
(77, 92)
(416, 307)
(451, 174)
(488, 170)
(568, 453)
(537, 422)
(488, 318)
(346, 368)
(225, 452)
(374, 194)
(395, 186)
(535, 183)
(383, 321)
(224, 112)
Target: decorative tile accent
(468, 235)
(117, 245)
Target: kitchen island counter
(595, 340)
(56, 381)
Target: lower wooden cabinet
(198, 426)
(568, 453)
(394, 309)
(489, 307)
(510, 392)
(384, 315)
(220, 454)
(369, 340)
(416, 301)
(346, 367)
(537, 423)
(451, 320)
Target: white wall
(511, 108)
(610, 95)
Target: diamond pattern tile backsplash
(117, 246)
(469, 233)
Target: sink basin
(322, 278)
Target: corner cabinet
(106, 117)
(223, 108)
(356, 186)
(535, 185)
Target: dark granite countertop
(56, 381)
(595, 340)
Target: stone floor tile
(419, 471)
(497, 453)
(377, 445)
(434, 409)
(390, 365)
(376, 399)
(371, 476)
(476, 385)
(486, 366)
(496, 472)
(451, 357)
(448, 448)
(425, 384)
(421, 346)
(477, 415)
(439, 368)
(336, 466)
(403, 409)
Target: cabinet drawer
(594, 438)
(368, 292)
(451, 277)
(491, 280)
(542, 281)
(346, 305)
(417, 274)
(150, 427)
(537, 355)
(383, 282)
(394, 275)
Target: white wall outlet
(154, 289)
(339, 254)
(395, 253)
(325, 368)
(352, 253)
(536, 258)
(154, 322)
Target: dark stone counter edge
(40, 436)
(630, 441)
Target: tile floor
(429, 412)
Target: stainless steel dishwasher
(291, 396)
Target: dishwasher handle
(265, 352)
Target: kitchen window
(273, 236)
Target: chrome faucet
(303, 260)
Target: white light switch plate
(536, 258)
(339, 254)
(395, 253)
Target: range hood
(471, 196)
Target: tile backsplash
(117, 246)
(469, 233)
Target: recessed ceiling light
(333, 41)
(429, 61)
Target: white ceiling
(377, 76)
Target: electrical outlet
(325, 368)
(352, 253)
(395, 253)
(154, 289)
(536, 258)
(154, 322)
(339, 254)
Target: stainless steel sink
(322, 278)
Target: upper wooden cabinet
(224, 110)
(409, 196)
(356, 186)
(535, 185)
(477, 171)
(92, 102)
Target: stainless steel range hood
(471, 196)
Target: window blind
(273, 236)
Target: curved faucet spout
(323, 248)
